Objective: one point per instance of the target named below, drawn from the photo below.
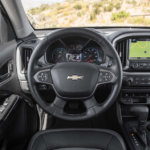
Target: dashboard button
(148, 100)
(135, 65)
(129, 100)
(136, 83)
(137, 78)
(128, 81)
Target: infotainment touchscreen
(139, 49)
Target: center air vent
(122, 47)
(27, 52)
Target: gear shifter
(141, 112)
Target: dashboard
(133, 48)
(75, 49)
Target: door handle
(6, 71)
(4, 77)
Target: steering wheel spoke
(89, 103)
(58, 102)
(106, 76)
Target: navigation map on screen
(139, 49)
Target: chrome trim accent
(13, 106)
(42, 118)
(24, 85)
(136, 73)
(45, 121)
(75, 77)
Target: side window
(6, 31)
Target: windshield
(87, 13)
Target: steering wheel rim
(92, 107)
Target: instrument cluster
(75, 51)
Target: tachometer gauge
(91, 55)
(59, 55)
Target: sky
(34, 3)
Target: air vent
(27, 52)
(121, 48)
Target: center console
(138, 131)
(134, 52)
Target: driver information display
(139, 49)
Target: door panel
(18, 120)
(17, 130)
(8, 45)
(11, 84)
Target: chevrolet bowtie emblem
(75, 77)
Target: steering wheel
(75, 81)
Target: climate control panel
(140, 65)
(136, 81)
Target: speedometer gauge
(91, 55)
(59, 55)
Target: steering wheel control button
(100, 79)
(43, 87)
(105, 77)
(43, 76)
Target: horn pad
(74, 80)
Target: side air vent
(27, 52)
(121, 48)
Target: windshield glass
(87, 13)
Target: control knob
(135, 65)
(128, 81)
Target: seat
(77, 139)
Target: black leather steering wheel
(75, 81)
